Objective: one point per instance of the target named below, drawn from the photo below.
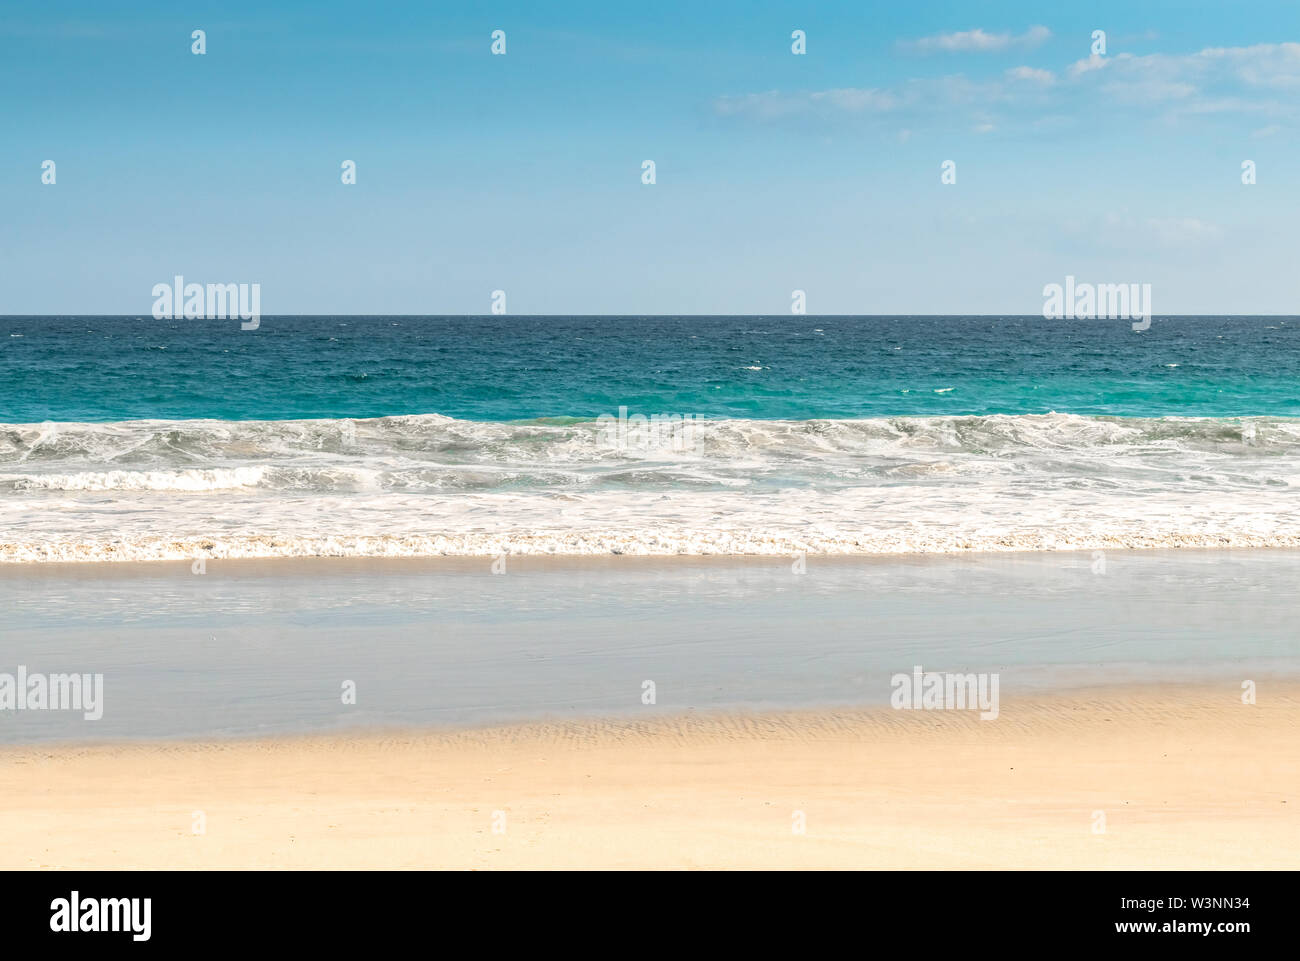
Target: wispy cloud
(1167, 231)
(978, 41)
(774, 105)
(1180, 231)
(1259, 81)
(1265, 65)
(1121, 230)
(1043, 78)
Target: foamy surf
(427, 485)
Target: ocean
(128, 438)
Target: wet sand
(266, 648)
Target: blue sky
(775, 172)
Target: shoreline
(699, 722)
(1185, 776)
(477, 563)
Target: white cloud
(1267, 65)
(1044, 78)
(1260, 81)
(856, 100)
(978, 40)
(1181, 230)
(1080, 67)
(1213, 80)
(1263, 65)
(1147, 92)
(1165, 231)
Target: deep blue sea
(768, 368)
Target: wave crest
(427, 484)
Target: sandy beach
(1186, 776)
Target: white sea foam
(192, 480)
(428, 484)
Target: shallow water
(264, 647)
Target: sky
(774, 171)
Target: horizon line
(530, 316)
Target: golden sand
(1184, 777)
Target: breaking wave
(428, 484)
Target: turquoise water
(768, 368)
